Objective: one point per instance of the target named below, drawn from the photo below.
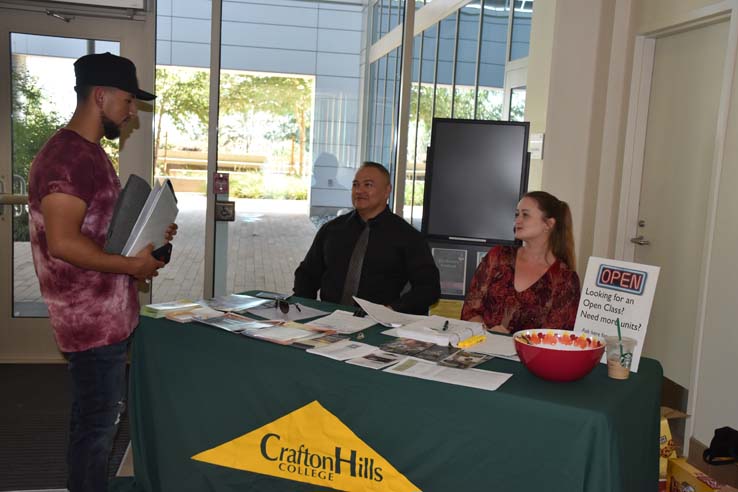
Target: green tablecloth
(194, 387)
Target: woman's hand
(500, 329)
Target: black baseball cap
(109, 70)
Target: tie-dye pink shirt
(87, 309)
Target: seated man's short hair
(379, 168)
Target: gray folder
(127, 209)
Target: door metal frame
(30, 339)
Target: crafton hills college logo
(310, 445)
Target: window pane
(288, 126)
(517, 104)
(492, 59)
(398, 10)
(521, 29)
(430, 40)
(42, 101)
(376, 21)
(445, 67)
(489, 103)
(494, 39)
(466, 60)
(412, 167)
(385, 6)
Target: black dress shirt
(396, 254)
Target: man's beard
(110, 129)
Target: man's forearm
(83, 252)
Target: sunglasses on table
(284, 306)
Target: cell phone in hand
(163, 253)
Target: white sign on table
(617, 290)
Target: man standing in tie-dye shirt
(91, 295)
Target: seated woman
(534, 285)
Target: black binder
(130, 202)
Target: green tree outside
(32, 126)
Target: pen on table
(445, 325)
(298, 308)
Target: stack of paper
(234, 302)
(473, 378)
(321, 341)
(440, 330)
(234, 323)
(158, 212)
(193, 314)
(159, 310)
(344, 322)
(497, 345)
(285, 333)
(346, 349)
(386, 316)
(376, 360)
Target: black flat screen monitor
(476, 173)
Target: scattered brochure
(271, 295)
(234, 302)
(386, 316)
(440, 330)
(321, 341)
(159, 310)
(473, 378)
(344, 322)
(297, 312)
(437, 353)
(286, 333)
(405, 346)
(187, 315)
(346, 349)
(235, 323)
(376, 360)
(465, 360)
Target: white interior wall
(579, 80)
(715, 403)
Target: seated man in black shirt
(370, 253)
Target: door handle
(640, 240)
(13, 199)
(17, 200)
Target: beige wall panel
(539, 74)
(674, 198)
(716, 402)
(575, 112)
(657, 14)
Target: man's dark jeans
(98, 400)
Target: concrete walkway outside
(265, 244)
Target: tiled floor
(265, 244)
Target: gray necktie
(353, 274)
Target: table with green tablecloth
(194, 387)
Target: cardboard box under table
(668, 448)
(683, 477)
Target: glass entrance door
(41, 76)
(37, 78)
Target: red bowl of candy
(558, 355)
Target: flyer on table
(615, 290)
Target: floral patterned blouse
(551, 302)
